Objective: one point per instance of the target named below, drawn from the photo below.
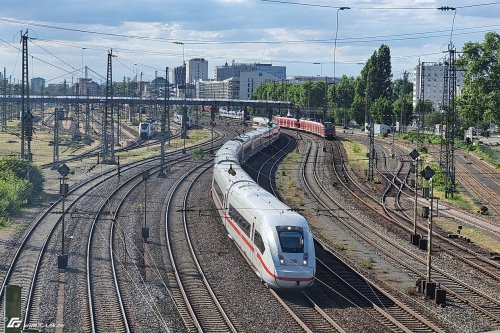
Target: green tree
(381, 111)
(480, 98)
(423, 107)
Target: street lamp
(181, 43)
(334, 60)
(320, 68)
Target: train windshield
(328, 125)
(144, 126)
(291, 239)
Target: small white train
(178, 119)
(147, 129)
(276, 241)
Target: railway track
(25, 266)
(476, 260)
(197, 302)
(462, 292)
(404, 318)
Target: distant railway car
(326, 130)
(60, 113)
(329, 130)
(258, 122)
(276, 241)
(147, 130)
(178, 120)
(235, 114)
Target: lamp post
(320, 68)
(185, 69)
(334, 60)
(181, 43)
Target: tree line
(375, 95)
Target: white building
(433, 81)
(197, 69)
(226, 89)
(250, 81)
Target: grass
(478, 236)
(42, 152)
(286, 181)
(344, 247)
(356, 156)
(194, 136)
(367, 264)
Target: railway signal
(145, 229)
(415, 238)
(62, 260)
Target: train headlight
(305, 261)
(282, 259)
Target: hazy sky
(295, 34)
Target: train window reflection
(291, 239)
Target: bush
(14, 192)
(23, 171)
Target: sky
(67, 35)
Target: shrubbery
(21, 182)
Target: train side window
(259, 242)
(218, 191)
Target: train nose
(298, 277)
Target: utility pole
(450, 125)
(55, 158)
(403, 102)
(166, 108)
(4, 104)
(140, 97)
(77, 134)
(25, 100)
(107, 150)
(87, 115)
(421, 100)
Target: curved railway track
(25, 266)
(402, 317)
(459, 290)
(472, 258)
(196, 298)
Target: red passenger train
(326, 130)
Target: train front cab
(295, 262)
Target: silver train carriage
(147, 130)
(178, 119)
(276, 241)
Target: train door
(253, 258)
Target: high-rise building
(197, 69)
(432, 75)
(227, 89)
(179, 76)
(250, 81)
(234, 70)
(37, 84)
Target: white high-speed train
(276, 241)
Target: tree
(402, 96)
(381, 111)
(423, 108)
(480, 98)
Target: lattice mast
(108, 153)
(451, 121)
(25, 96)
